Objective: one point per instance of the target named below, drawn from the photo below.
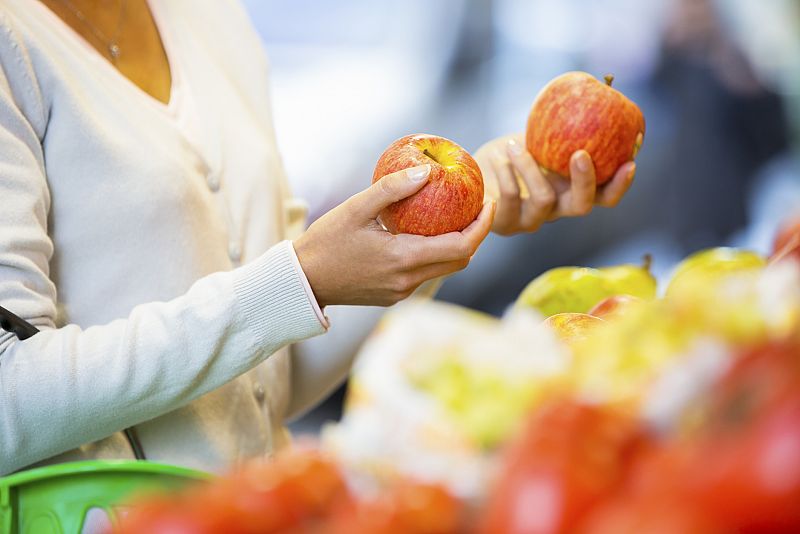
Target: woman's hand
(349, 258)
(526, 197)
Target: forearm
(65, 387)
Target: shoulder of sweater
(18, 80)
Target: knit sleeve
(67, 386)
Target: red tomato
(654, 513)
(161, 514)
(271, 496)
(407, 508)
(566, 459)
(751, 480)
(743, 465)
(282, 495)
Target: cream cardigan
(147, 242)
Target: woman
(146, 229)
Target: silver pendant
(114, 50)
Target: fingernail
(417, 174)
(583, 161)
(632, 172)
(514, 147)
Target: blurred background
(718, 82)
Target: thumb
(391, 188)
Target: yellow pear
(578, 289)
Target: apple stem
(647, 261)
(429, 155)
(609, 78)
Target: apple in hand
(576, 111)
(453, 196)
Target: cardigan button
(258, 392)
(213, 181)
(234, 251)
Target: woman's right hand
(349, 258)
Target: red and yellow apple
(572, 327)
(576, 111)
(613, 306)
(453, 196)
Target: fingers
(389, 189)
(541, 197)
(509, 194)
(477, 231)
(611, 193)
(435, 270)
(583, 185)
(452, 246)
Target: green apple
(578, 289)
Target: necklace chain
(112, 44)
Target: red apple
(450, 200)
(787, 241)
(613, 306)
(576, 111)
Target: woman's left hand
(526, 197)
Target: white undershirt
(146, 241)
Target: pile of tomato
(733, 464)
(301, 491)
(730, 464)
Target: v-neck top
(165, 34)
(148, 242)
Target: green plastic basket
(55, 499)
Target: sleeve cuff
(273, 297)
(312, 299)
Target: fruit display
(680, 414)
(450, 200)
(614, 432)
(576, 111)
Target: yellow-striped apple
(572, 327)
(450, 200)
(577, 111)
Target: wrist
(310, 269)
